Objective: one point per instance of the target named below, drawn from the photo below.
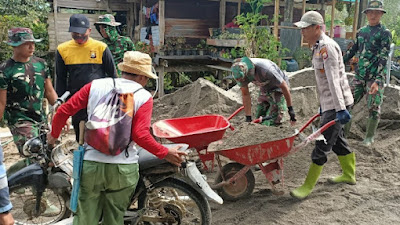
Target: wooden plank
(62, 24)
(332, 17)
(222, 13)
(276, 18)
(55, 8)
(161, 21)
(116, 5)
(160, 71)
(355, 21)
(225, 42)
(195, 28)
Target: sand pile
(199, 98)
(251, 134)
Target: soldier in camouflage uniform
(373, 45)
(274, 97)
(117, 44)
(24, 81)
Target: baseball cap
(19, 35)
(375, 5)
(241, 68)
(78, 23)
(310, 18)
(107, 19)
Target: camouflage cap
(19, 35)
(374, 5)
(107, 19)
(240, 69)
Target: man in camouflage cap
(24, 82)
(274, 96)
(117, 44)
(373, 45)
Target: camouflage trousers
(271, 104)
(360, 88)
(23, 131)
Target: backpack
(109, 127)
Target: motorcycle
(39, 192)
(165, 194)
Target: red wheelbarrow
(197, 131)
(236, 180)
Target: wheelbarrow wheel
(241, 188)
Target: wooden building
(179, 18)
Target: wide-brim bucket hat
(19, 35)
(374, 5)
(107, 19)
(137, 63)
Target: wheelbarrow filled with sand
(196, 131)
(235, 180)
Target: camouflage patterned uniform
(117, 44)
(25, 91)
(271, 101)
(24, 83)
(373, 44)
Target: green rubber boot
(312, 178)
(348, 163)
(346, 128)
(372, 125)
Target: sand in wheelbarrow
(248, 134)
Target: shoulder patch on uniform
(323, 52)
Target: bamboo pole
(332, 16)
(355, 21)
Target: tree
(24, 13)
(259, 40)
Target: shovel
(77, 169)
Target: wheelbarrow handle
(309, 122)
(318, 132)
(235, 113)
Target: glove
(292, 114)
(248, 119)
(343, 116)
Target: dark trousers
(335, 140)
(78, 117)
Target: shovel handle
(81, 131)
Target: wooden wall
(114, 5)
(63, 26)
(190, 18)
(62, 23)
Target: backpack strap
(130, 137)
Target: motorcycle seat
(148, 160)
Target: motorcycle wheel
(53, 206)
(174, 202)
(241, 188)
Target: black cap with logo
(78, 23)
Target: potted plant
(201, 47)
(180, 42)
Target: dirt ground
(375, 199)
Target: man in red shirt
(107, 181)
